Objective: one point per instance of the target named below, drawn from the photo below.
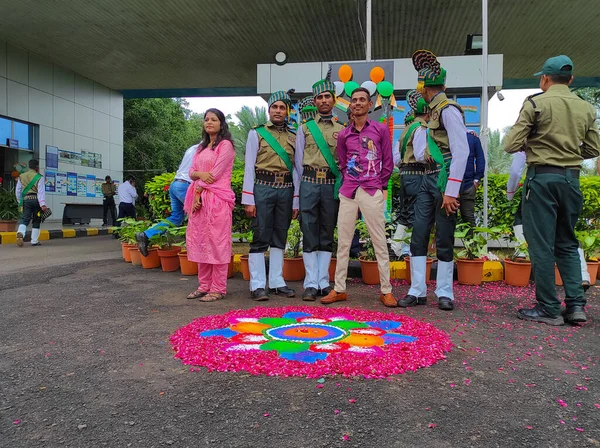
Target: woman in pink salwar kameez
(209, 203)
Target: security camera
(500, 96)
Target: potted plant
(167, 250)
(517, 268)
(589, 241)
(129, 227)
(293, 264)
(470, 259)
(187, 267)
(152, 260)
(9, 210)
(244, 237)
(368, 261)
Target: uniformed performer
(31, 195)
(268, 196)
(557, 130)
(444, 149)
(316, 164)
(411, 171)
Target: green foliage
(241, 223)
(158, 195)
(369, 253)
(129, 227)
(590, 243)
(498, 160)
(248, 120)
(9, 207)
(474, 240)
(293, 247)
(178, 235)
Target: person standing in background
(474, 172)
(127, 197)
(31, 194)
(109, 190)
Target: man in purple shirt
(365, 157)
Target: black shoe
(574, 314)
(586, 285)
(142, 243)
(411, 301)
(445, 303)
(537, 314)
(284, 291)
(309, 295)
(325, 291)
(35, 244)
(259, 295)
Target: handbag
(45, 215)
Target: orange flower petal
(363, 340)
(249, 327)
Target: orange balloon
(377, 74)
(345, 73)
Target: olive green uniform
(557, 130)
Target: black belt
(318, 173)
(180, 180)
(274, 178)
(549, 169)
(30, 196)
(412, 167)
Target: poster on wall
(51, 157)
(71, 184)
(61, 183)
(98, 161)
(74, 158)
(98, 187)
(85, 158)
(50, 181)
(116, 182)
(91, 186)
(81, 185)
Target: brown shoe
(388, 300)
(334, 297)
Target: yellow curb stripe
(8, 237)
(92, 231)
(44, 235)
(69, 233)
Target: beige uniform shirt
(555, 128)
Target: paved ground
(85, 361)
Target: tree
(498, 160)
(248, 120)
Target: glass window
(24, 134)
(5, 130)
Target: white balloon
(339, 88)
(370, 86)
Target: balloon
(385, 88)
(339, 88)
(370, 86)
(350, 87)
(377, 74)
(345, 73)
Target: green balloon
(350, 87)
(385, 88)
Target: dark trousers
(273, 217)
(109, 204)
(410, 185)
(318, 216)
(428, 212)
(467, 205)
(31, 213)
(551, 205)
(126, 210)
(519, 213)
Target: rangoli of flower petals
(310, 342)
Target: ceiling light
(280, 58)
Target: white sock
(418, 282)
(35, 236)
(22, 229)
(258, 272)
(585, 275)
(395, 242)
(276, 268)
(445, 277)
(324, 261)
(311, 265)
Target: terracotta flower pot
(187, 267)
(136, 256)
(169, 261)
(332, 267)
(369, 271)
(557, 278)
(8, 225)
(428, 264)
(293, 269)
(152, 260)
(125, 251)
(245, 267)
(517, 273)
(592, 267)
(230, 270)
(470, 272)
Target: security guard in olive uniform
(411, 171)
(268, 196)
(557, 130)
(317, 166)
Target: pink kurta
(208, 237)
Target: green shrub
(158, 195)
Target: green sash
(437, 155)
(326, 152)
(409, 132)
(273, 143)
(29, 186)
